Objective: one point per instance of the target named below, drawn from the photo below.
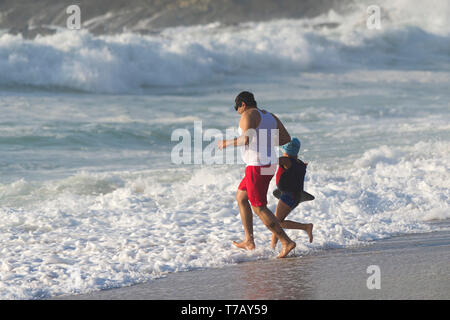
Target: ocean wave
(217, 54)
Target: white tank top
(260, 151)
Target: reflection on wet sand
(277, 279)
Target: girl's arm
(284, 162)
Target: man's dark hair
(246, 97)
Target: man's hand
(222, 144)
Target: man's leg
(247, 221)
(272, 223)
(281, 212)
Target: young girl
(289, 178)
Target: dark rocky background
(32, 17)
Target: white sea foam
(213, 54)
(95, 231)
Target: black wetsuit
(290, 183)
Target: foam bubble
(372, 157)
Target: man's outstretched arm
(243, 139)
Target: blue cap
(292, 148)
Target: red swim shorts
(256, 185)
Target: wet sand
(415, 266)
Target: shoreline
(412, 266)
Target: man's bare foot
(246, 244)
(286, 249)
(308, 230)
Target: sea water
(90, 197)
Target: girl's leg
(281, 212)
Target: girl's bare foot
(286, 249)
(246, 244)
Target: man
(255, 128)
